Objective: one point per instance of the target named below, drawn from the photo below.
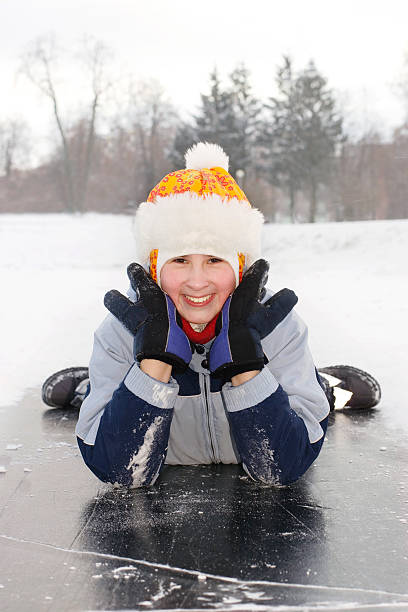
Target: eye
(215, 260)
(179, 260)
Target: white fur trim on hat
(206, 155)
(187, 224)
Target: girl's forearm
(239, 379)
(156, 369)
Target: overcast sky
(358, 45)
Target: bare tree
(95, 56)
(365, 179)
(14, 145)
(150, 119)
(400, 85)
(40, 65)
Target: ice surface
(350, 278)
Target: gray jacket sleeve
(112, 363)
(280, 416)
(290, 365)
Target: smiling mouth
(199, 301)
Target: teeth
(198, 300)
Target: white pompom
(206, 155)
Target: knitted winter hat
(199, 210)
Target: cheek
(170, 284)
(226, 283)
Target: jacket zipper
(207, 408)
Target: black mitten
(244, 321)
(152, 320)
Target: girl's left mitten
(237, 347)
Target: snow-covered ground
(351, 279)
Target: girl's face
(198, 285)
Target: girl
(201, 364)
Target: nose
(197, 279)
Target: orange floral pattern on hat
(202, 182)
(153, 264)
(241, 265)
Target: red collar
(203, 337)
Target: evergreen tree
(320, 132)
(228, 116)
(302, 134)
(215, 121)
(281, 136)
(185, 137)
(244, 117)
(212, 123)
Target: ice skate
(66, 387)
(352, 388)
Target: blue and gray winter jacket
(131, 424)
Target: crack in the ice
(314, 534)
(173, 541)
(81, 529)
(197, 573)
(20, 482)
(297, 519)
(186, 594)
(282, 608)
